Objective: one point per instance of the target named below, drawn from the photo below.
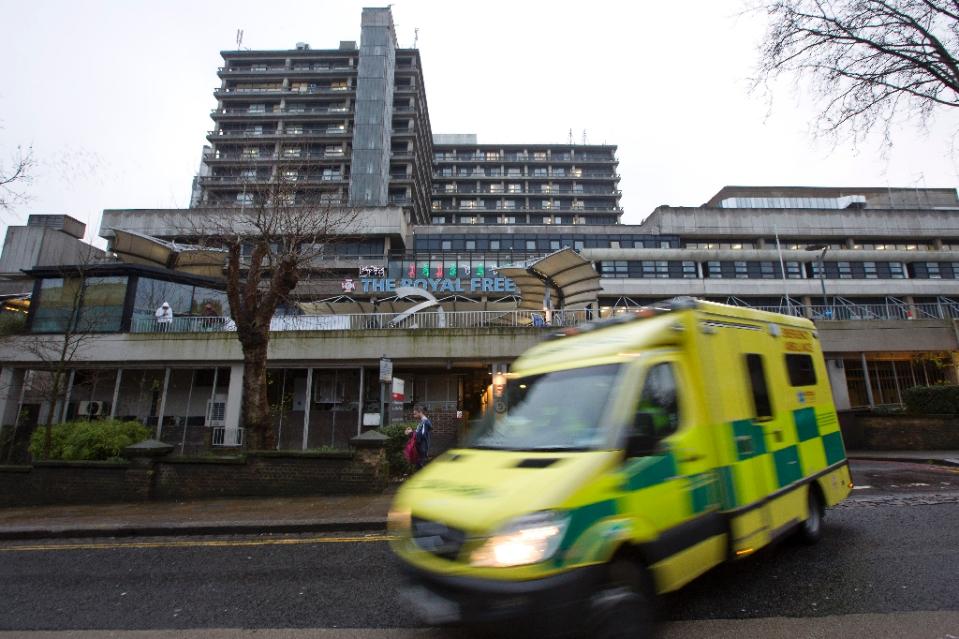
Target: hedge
(396, 433)
(88, 440)
(932, 400)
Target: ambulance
(625, 458)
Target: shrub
(932, 400)
(395, 445)
(83, 440)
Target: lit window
(514, 188)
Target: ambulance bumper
(558, 600)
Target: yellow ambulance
(624, 459)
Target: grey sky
(115, 96)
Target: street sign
(399, 386)
(386, 369)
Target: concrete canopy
(561, 280)
(136, 248)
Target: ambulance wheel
(811, 529)
(623, 608)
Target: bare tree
(272, 242)
(870, 61)
(77, 313)
(15, 176)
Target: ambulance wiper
(558, 449)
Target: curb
(909, 460)
(174, 530)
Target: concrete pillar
(11, 385)
(234, 404)
(116, 393)
(837, 381)
(865, 374)
(166, 388)
(359, 402)
(66, 397)
(307, 403)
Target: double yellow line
(213, 543)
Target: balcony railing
(223, 436)
(278, 111)
(523, 318)
(426, 320)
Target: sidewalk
(259, 515)
(940, 457)
(253, 515)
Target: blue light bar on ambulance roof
(643, 312)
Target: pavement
(259, 515)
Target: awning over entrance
(560, 280)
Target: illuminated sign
(442, 285)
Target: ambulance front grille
(437, 538)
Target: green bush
(12, 324)
(395, 445)
(83, 440)
(932, 400)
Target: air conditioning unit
(93, 409)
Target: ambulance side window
(801, 370)
(659, 400)
(757, 385)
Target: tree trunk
(256, 405)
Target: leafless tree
(14, 176)
(871, 62)
(77, 316)
(277, 238)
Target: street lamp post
(823, 249)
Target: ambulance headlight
(398, 520)
(526, 540)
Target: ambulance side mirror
(641, 440)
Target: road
(888, 557)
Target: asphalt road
(893, 548)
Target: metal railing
(422, 320)
(523, 318)
(223, 436)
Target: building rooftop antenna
(416, 36)
(571, 137)
(239, 39)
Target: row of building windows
(451, 187)
(798, 246)
(523, 156)
(516, 171)
(772, 270)
(520, 242)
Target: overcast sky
(114, 96)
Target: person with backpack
(419, 438)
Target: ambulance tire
(811, 530)
(623, 608)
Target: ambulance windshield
(553, 411)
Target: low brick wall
(900, 432)
(255, 474)
(265, 474)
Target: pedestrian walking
(164, 317)
(423, 434)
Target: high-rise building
(523, 183)
(342, 126)
(351, 126)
